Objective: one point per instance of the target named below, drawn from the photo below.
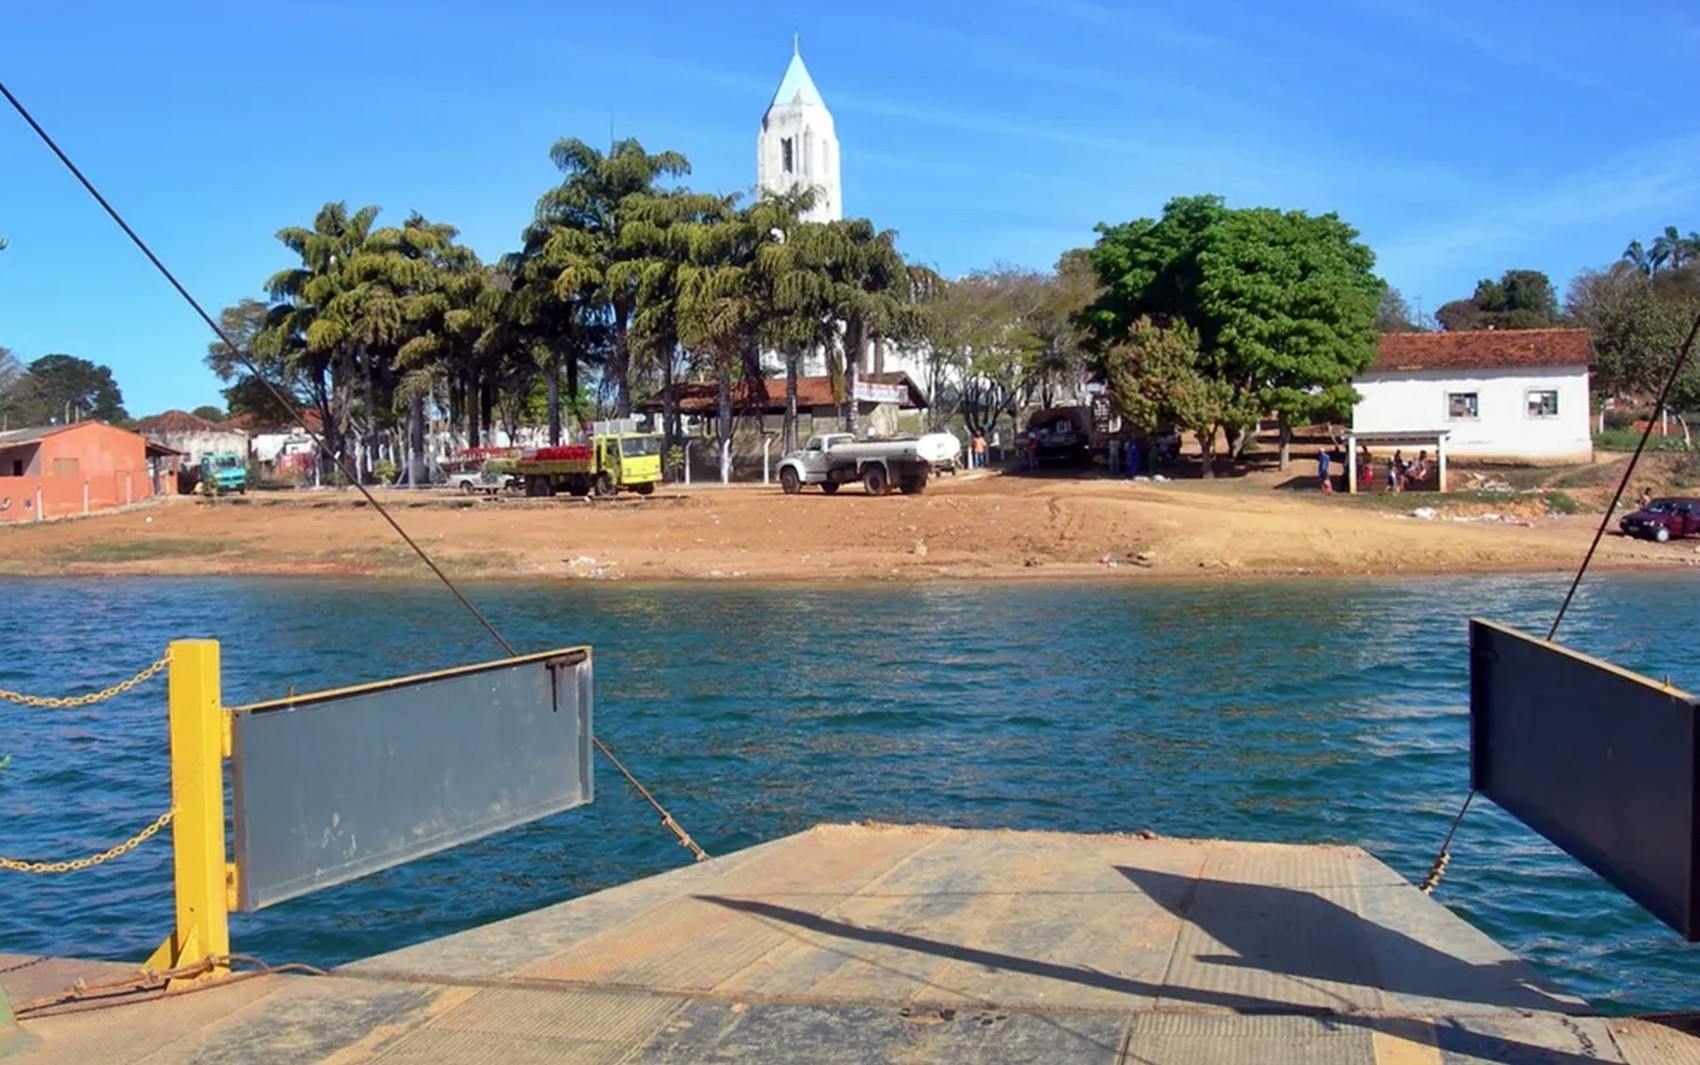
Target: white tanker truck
(834, 459)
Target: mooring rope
(318, 439)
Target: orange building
(60, 470)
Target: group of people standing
(1401, 474)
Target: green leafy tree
(59, 388)
(210, 414)
(1637, 323)
(1283, 305)
(1520, 299)
(253, 366)
(1156, 380)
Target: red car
(1663, 519)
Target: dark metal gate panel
(1600, 761)
(335, 785)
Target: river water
(1299, 711)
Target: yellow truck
(608, 464)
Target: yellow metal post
(197, 793)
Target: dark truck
(1663, 519)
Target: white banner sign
(872, 392)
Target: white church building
(798, 147)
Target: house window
(1543, 402)
(17, 467)
(1461, 405)
(786, 162)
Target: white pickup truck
(834, 459)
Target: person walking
(1322, 470)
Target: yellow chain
(79, 864)
(85, 700)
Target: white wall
(1502, 429)
(205, 442)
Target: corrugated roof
(30, 436)
(1483, 349)
(797, 89)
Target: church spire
(797, 147)
(797, 89)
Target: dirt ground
(973, 526)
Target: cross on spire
(796, 44)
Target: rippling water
(1292, 711)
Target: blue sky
(1460, 138)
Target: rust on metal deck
(909, 944)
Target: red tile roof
(308, 419)
(176, 421)
(1483, 349)
(702, 397)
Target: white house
(194, 437)
(1517, 395)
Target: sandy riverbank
(974, 527)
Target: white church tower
(797, 145)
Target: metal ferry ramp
(861, 943)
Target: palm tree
(441, 309)
(724, 305)
(1669, 250)
(798, 278)
(1636, 256)
(584, 219)
(312, 332)
(872, 293)
(537, 331)
(656, 247)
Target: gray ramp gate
(335, 785)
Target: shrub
(384, 472)
(1619, 418)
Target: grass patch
(146, 550)
(1555, 502)
(1627, 439)
(474, 562)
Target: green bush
(1619, 418)
(384, 472)
(1627, 439)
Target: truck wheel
(789, 481)
(874, 481)
(536, 486)
(829, 487)
(914, 486)
(578, 491)
(647, 488)
(1661, 534)
(605, 485)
